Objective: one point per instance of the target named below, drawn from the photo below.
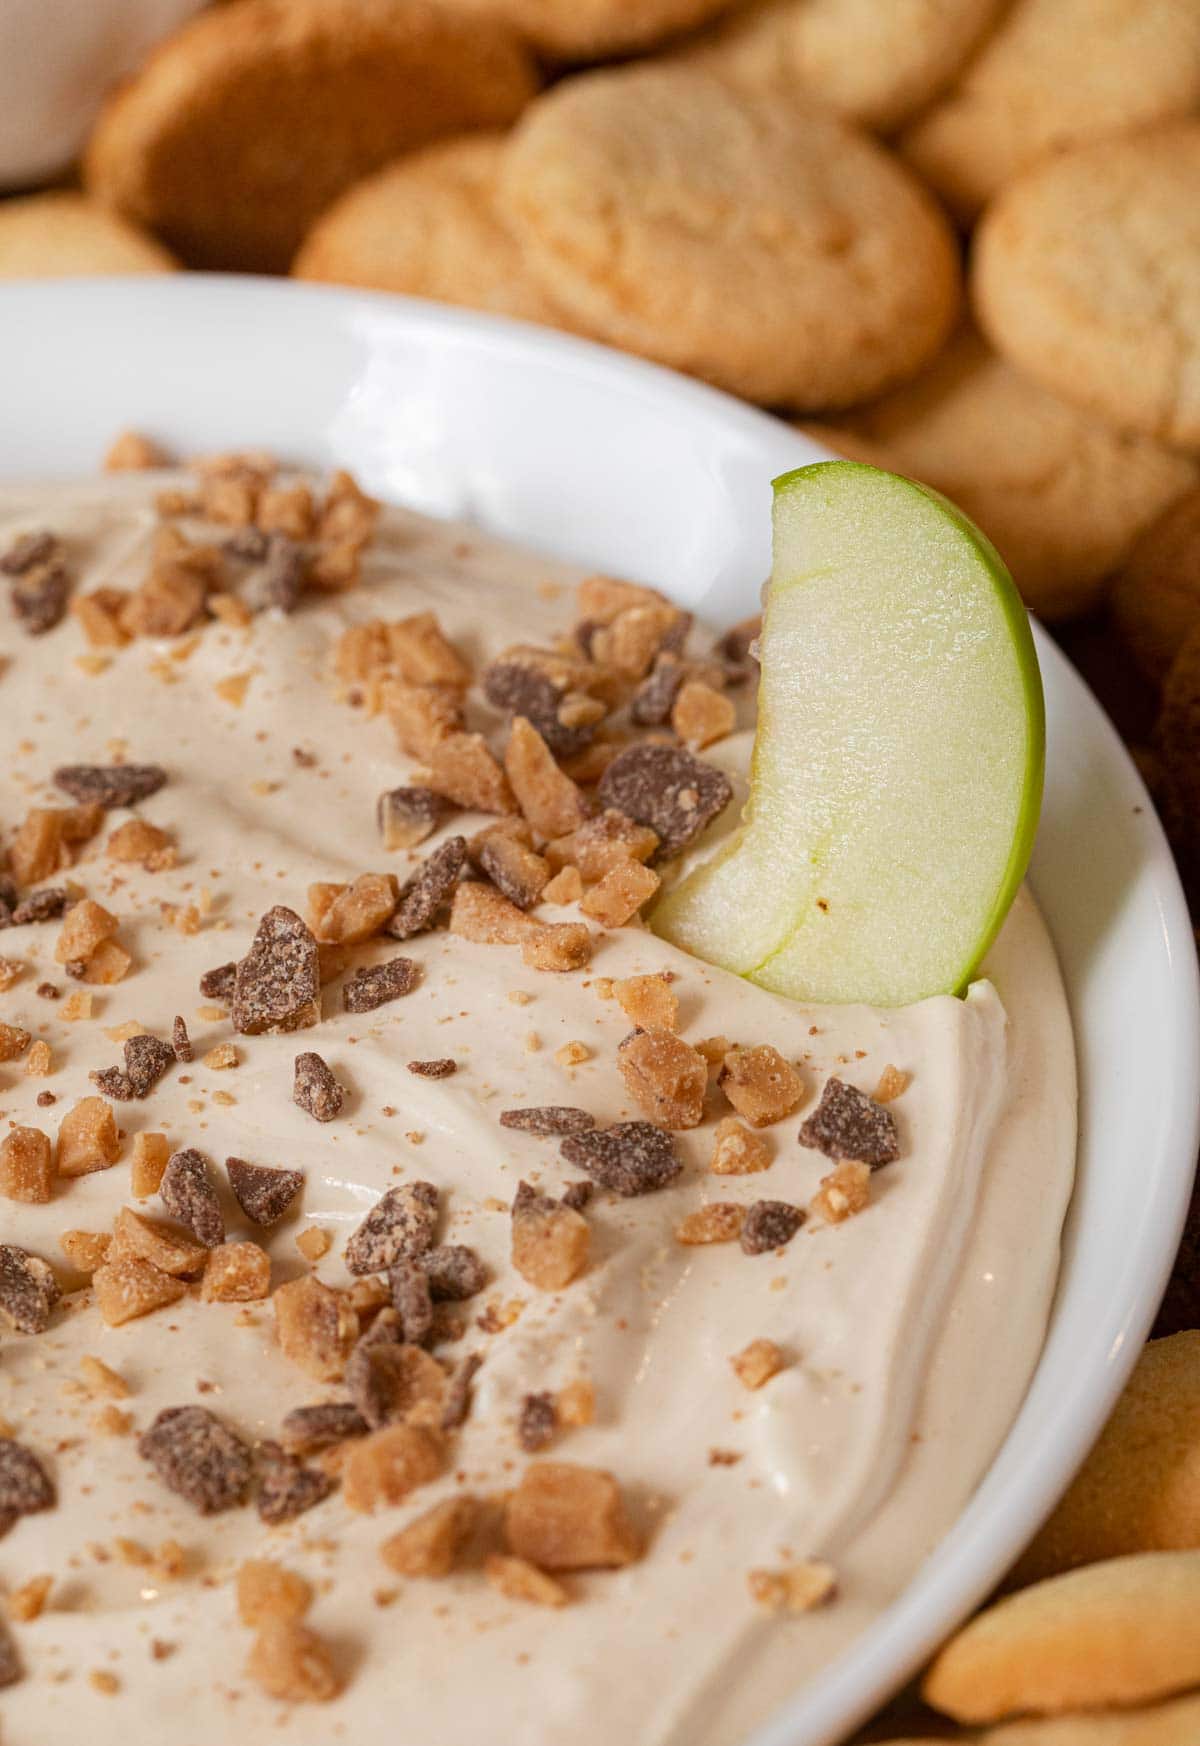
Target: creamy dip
(911, 1330)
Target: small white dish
(613, 463)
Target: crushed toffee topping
(429, 890)
(277, 985)
(454, 1272)
(847, 1124)
(442, 1068)
(147, 1058)
(286, 1487)
(769, 1224)
(402, 1223)
(189, 1196)
(264, 1193)
(25, 1486)
(380, 983)
(110, 785)
(667, 788)
(28, 1289)
(315, 1089)
(197, 1456)
(553, 1118)
(630, 1158)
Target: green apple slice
(897, 769)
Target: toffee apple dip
(430, 1303)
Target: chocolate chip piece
(549, 1118)
(189, 1196)
(386, 1379)
(40, 595)
(515, 870)
(426, 893)
(577, 1194)
(403, 1222)
(110, 785)
(281, 580)
(28, 1289)
(27, 550)
(849, 1124)
(309, 1428)
(40, 906)
(10, 897)
(247, 543)
(537, 1422)
(286, 1488)
(565, 719)
(737, 644)
(199, 1457)
(25, 1486)
(315, 1089)
(47, 990)
(441, 1069)
(630, 1158)
(181, 1043)
(668, 789)
(277, 986)
(654, 699)
(527, 1198)
(146, 1060)
(458, 1395)
(373, 987)
(769, 1224)
(264, 1194)
(454, 1272)
(218, 984)
(10, 1661)
(411, 1299)
(408, 815)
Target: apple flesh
(897, 770)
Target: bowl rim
(980, 1545)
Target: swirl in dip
(759, 1514)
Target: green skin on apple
(897, 772)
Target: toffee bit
(769, 1224)
(309, 1428)
(277, 986)
(381, 983)
(551, 1118)
(566, 719)
(423, 896)
(40, 595)
(654, 699)
(28, 1289)
(247, 543)
(667, 788)
(25, 1486)
(199, 1458)
(286, 1488)
(27, 550)
(849, 1124)
(630, 1157)
(41, 906)
(576, 1195)
(219, 984)
(146, 1060)
(440, 1069)
(315, 1089)
(537, 1422)
(458, 1395)
(263, 1193)
(402, 1222)
(408, 815)
(189, 1196)
(454, 1272)
(387, 1379)
(280, 582)
(412, 1299)
(181, 1043)
(110, 785)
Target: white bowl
(613, 463)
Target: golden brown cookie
(1139, 1489)
(1062, 495)
(428, 226)
(1055, 74)
(53, 236)
(1114, 1634)
(767, 247)
(874, 61)
(246, 124)
(1156, 593)
(1176, 1723)
(588, 30)
(1087, 275)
